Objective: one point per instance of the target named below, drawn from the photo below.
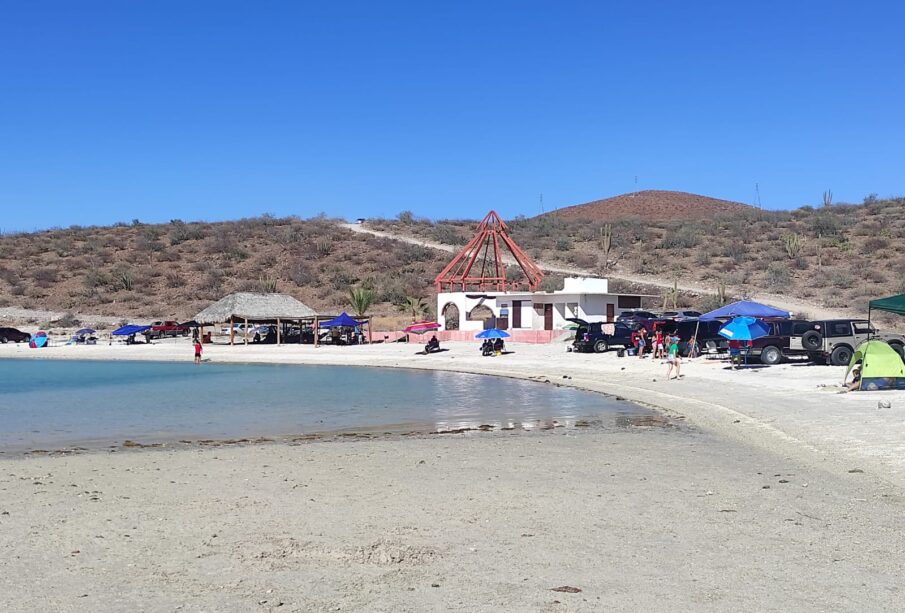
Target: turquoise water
(48, 404)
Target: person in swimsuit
(197, 351)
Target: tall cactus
(793, 243)
(606, 243)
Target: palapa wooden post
(278, 332)
(246, 331)
(232, 331)
(370, 339)
(317, 337)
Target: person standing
(672, 357)
(659, 352)
(198, 349)
(642, 342)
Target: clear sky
(164, 109)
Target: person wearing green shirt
(672, 357)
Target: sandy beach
(767, 492)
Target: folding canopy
(343, 321)
(892, 304)
(744, 308)
(129, 330)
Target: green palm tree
(414, 306)
(361, 299)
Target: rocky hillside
(173, 270)
(837, 256)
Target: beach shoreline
(789, 409)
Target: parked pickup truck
(162, 329)
(592, 336)
(834, 340)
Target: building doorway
(548, 317)
(450, 316)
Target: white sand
(748, 505)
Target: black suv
(12, 335)
(590, 336)
(635, 317)
(786, 339)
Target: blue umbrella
(492, 333)
(744, 329)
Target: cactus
(323, 246)
(606, 244)
(721, 291)
(126, 281)
(827, 198)
(267, 285)
(793, 243)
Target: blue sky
(111, 111)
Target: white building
(585, 298)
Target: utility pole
(757, 196)
(542, 203)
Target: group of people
(493, 346)
(663, 346)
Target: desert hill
(173, 270)
(651, 204)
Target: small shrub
(778, 274)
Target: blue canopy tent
(343, 321)
(744, 308)
(129, 330)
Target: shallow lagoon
(49, 404)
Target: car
(834, 340)
(680, 315)
(599, 336)
(784, 340)
(12, 335)
(635, 317)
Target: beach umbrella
(85, 331)
(744, 329)
(421, 327)
(492, 333)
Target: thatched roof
(256, 307)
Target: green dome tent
(881, 366)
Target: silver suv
(834, 340)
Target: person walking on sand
(672, 357)
(197, 351)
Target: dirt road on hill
(811, 310)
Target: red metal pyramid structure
(481, 265)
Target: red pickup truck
(162, 329)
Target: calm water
(49, 404)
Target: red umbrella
(420, 327)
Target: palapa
(255, 307)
